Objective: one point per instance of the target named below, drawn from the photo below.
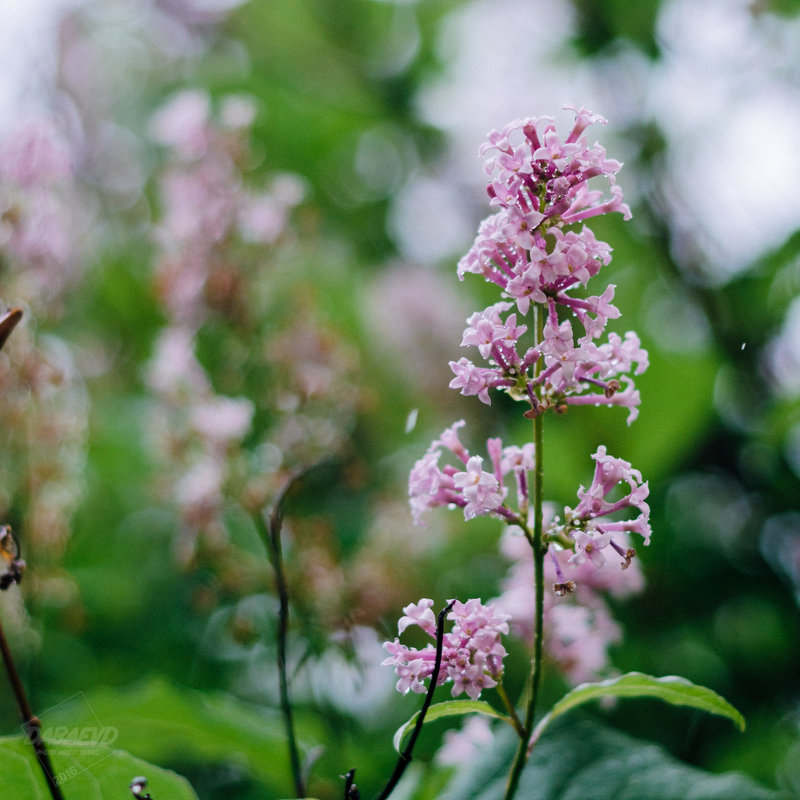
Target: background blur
(314, 310)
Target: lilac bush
(238, 430)
(218, 243)
(544, 343)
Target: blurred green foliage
(711, 439)
(84, 772)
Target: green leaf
(162, 722)
(449, 708)
(671, 689)
(88, 770)
(582, 759)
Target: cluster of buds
(12, 565)
(582, 524)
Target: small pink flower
(428, 486)
(519, 226)
(473, 380)
(449, 439)
(518, 458)
(526, 288)
(183, 123)
(590, 545)
(420, 614)
(479, 488)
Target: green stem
(539, 551)
(271, 535)
(512, 712)
(539, 548)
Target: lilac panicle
(472, 655)
(470, 486)
(578, 624)
(587, 528)
(533, 249)
(537, 248)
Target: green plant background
(716, 610)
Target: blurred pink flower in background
(579, 627)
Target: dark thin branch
(8, 321)
(270, 531)
(12, 573)
(350, 789)
(30, 723)
(405, 756)
(138, 786)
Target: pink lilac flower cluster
(45, 419)
(44, 215)
(540, 184)
(472, 654)
(196, 431)
(580, 541)
(586, 529)
(469, 486)
(220, 246)
(579, 631)
(206, 205)
(43, 218)
(591, 536)
(207, 211)
(578, 624)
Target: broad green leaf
(449, 708)
(671, 689)
(581, 759)
(85, 770)
(170, 724)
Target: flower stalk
(405, 756)
(539, 548)
(539, 545)
(270, 531)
